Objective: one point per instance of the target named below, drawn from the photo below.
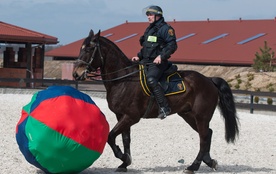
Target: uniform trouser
(153, 73)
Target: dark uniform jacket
(158, 39)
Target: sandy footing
(158, 145)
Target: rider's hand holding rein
(157, 60)
(135, 59)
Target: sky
(71, 20)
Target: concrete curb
(32, 91)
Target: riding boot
(164, 109)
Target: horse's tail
(227, 109)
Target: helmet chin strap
(155, 18)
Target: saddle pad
(173, 82)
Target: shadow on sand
(180, 168)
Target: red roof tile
(225, 50)
(14, 34)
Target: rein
(97, 47)
(114, 79)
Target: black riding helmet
(156, 10)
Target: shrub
(271, 89)
(256, 99)
(248, 85)
(250, 77)
(257, 89)
(239, 81)
(264, 61)
(269, 101)
(269, 85)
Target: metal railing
(243, 99)
(44, 83)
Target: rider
(158, 43)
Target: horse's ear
(91, 33)
(88, 39)
(99, 33)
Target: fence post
(251, 103)
(77, 84)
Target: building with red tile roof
(219, 42)
(29, 62)
(14, 34)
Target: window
(127, 37)
(185, 37)
(251, 38)
(110, 34)
(215, 38)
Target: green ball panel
(56, 152)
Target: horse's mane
(109, 42)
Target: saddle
(171, 81)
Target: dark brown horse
(129, 102)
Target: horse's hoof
(214, 165)
(121, 170)
(189, 171)
(128, 159)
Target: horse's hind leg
(205, 134)
(204, 152)
(206, 157)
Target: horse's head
(90, 57)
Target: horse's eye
(88, 49)
(92, 44)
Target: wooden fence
(250, 104)
(243, 99)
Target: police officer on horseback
(158, 43)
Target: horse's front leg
(122, 127)
(126, 156)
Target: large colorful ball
(61, 130)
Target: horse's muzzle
(79, 77)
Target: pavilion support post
(42, 59)
(29, 63)
(42, 56)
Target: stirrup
(164, 112)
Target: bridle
(89, 68)
(88, 65)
